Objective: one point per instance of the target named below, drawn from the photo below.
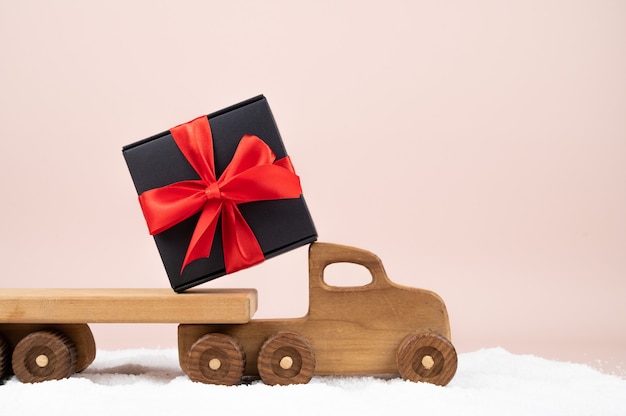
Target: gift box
(219, 193)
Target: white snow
(488, 382)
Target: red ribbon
(253, 174)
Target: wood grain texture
(286, 358)
(126, 306)
(80, 335)
(5, 359)
(43, 356)
(351, 330)
(216, 359)
(428, 357)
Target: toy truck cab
(380, 328)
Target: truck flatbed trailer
(59, 306)
(44, 333)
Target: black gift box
(279, 225)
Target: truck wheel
(42, 356)
(427, 356)
(5, 359)
(286, 358)
(216, 359)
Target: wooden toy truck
(377, 329)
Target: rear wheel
(216, 359)
(5, 359)
(44, 355)
(286, 358)
(427, 356)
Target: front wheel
(286, 358)
(427, 356)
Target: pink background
(479, 148)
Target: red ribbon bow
(253, 174)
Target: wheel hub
(215, 364)
(42, 361)
(428, 362)
(286, 362)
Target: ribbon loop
(253, 174)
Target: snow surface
(487, 382)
